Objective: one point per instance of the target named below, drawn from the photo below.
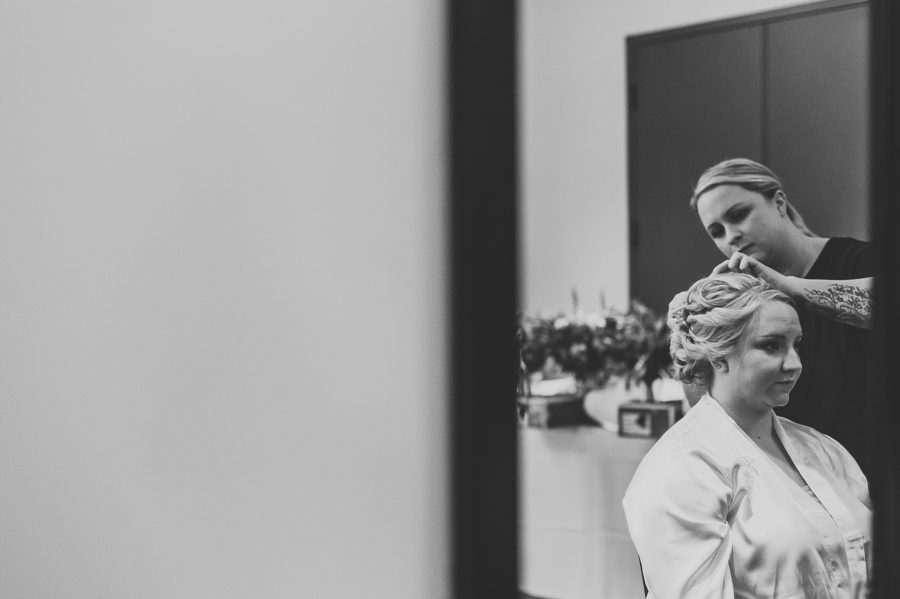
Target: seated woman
(733, 500)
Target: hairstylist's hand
(739, 262)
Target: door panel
(698, 100)
(818, 119)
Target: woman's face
(739, 220)
(764, 367)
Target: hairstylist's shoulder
(853, 257)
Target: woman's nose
(792, 361)
(732, 235)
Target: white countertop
(574, 540)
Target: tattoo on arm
(844, 303)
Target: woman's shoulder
(802, 432)
(816, 443)
(687, 467)
(705, 426)
(697, 445)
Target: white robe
(712, 515)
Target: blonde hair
(751, 176)
(708, 321)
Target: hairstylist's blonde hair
(708, 321)
(751, 176)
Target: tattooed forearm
(844, 303)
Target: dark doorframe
(885, 214)
(483, 181)
(483, 216)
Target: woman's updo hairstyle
(708, 320)
(751, 176)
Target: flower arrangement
(595, 347)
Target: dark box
(553, 411)
(648, 419)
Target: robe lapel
(818, 483)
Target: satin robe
(712, 515)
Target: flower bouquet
(593, 348)
(579, 352)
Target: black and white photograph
(449, 299)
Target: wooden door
(694, 100)
(817, 117)
(788, 88)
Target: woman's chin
(781, 399)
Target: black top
(830, 395)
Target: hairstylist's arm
(848, 301)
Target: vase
(602, 404)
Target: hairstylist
(746, 213)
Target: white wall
(574, 125)
(222, 284)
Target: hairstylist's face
(761, 372)
(738, 220)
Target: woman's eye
(716, 232)
(738, 215)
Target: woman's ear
(780, 202)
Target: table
(574, 540)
